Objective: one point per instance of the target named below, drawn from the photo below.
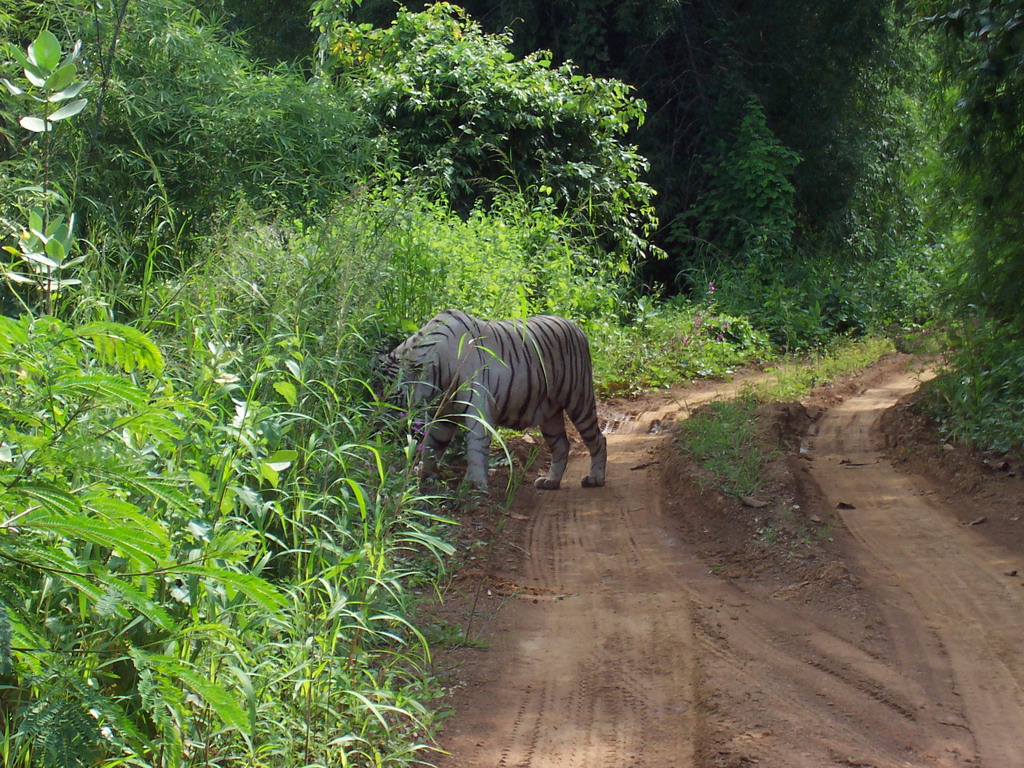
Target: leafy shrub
(393, 258)
(467, 115)
(748, 209)
(104, 561)
(156, 515)
(979, 55)
(979, 397)
(807, 301)
(180, 126)
(208, 556)
(667, 344)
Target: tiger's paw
(547, 485)
(592, 482)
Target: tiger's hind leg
(598, 460)
(553, 430)
(590, 430)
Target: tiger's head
(408, 373)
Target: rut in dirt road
(594, 661)
(955, 581)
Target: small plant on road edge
(723, 438)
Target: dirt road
(613, 639)
(949, 580)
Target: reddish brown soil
(867, 610)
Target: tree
(825, 76)
(982, 65)
(465, 113)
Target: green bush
(666, 344)
(805, 302)
(207, 550)
(748, 210)
(471, 119)
(107, 565)
(979, 397)
(180, 126)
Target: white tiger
(510, 373)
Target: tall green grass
(212, 554)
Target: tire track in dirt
(955, 582)
(603, 671)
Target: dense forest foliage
(216, 213)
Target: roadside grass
(794, 379)
(723, 436)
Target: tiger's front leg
(478, 452)
(476, 419)
(434, 444)
(553, 430)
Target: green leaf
(118, 511)
(69, 110)
(245, 680)
(201, 480)
(12, 332)
(39, 258)
(108, 390)
(50, 498)
(35, 75)
(133, 544)
(61, 78)
(15, 90)
(55, 250)
(44, 51)
(68, 93)
(71, 571)
(275, 464)
(165, 491)
(281, 460)
(57, 228)
(17, 277)
(35, 125)
(38, 80)
(261, 592)
(287, 390)
(123, 345)
(35, 220)
(162, 490)
(56, 284)
(269, 474)
(215, 696)
(140, 601)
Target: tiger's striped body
(510, 373)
